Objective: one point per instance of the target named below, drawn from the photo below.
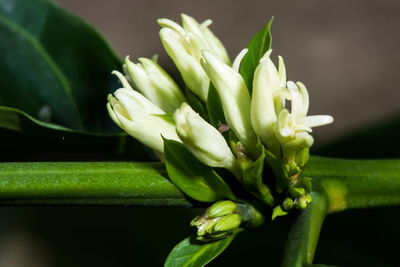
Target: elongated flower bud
(267, 100)
(234, 96)
(140, 118)
(202, 139)
(184, 45)
(155, 84)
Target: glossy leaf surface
(193, 253)
(195, 179)
(56, 68)
(258, 45)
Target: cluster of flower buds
(151, 106)
(224, 218)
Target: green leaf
(195, 179)
(253, 181)
(193, 253)
(23, 134)
(258, 45)
(54, 67)
(214, 107)
(196, 103)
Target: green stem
(339, 184)
(304, 234)
(351, 184)
(87, 183)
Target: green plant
(62, 66)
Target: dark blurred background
(346, 52)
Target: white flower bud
(202, 139)
(155, 84)
(268, 100)
(140, 118)
(235, 98)
(192, 73)
(184, 45)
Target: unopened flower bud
(228, 223)
(296, 192)
(287, 204)
(155, 84)
(184, 45)
(221, 208)
(234, 96)
(140, 118)
(204, 141)
(301, 203)
(224, 218)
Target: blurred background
(346, 52)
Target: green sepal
(281, 176)
(253, 181)
(192, 253)
(195, 179)
(258, 45)
(168, 117)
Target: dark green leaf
(258, 45)
(193, 253)
(25, 136)
(54, 66)
(214, 107)
(196, 104)
(194, 178)
(253, 181)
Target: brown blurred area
(346, 52)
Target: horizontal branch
(351, 184)
(87, 183)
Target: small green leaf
(278, 211)
(193, 253)
(258, 45)
(195, 179)
(196, 104)
(253, 180)
(23, 134)
(214, 107)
